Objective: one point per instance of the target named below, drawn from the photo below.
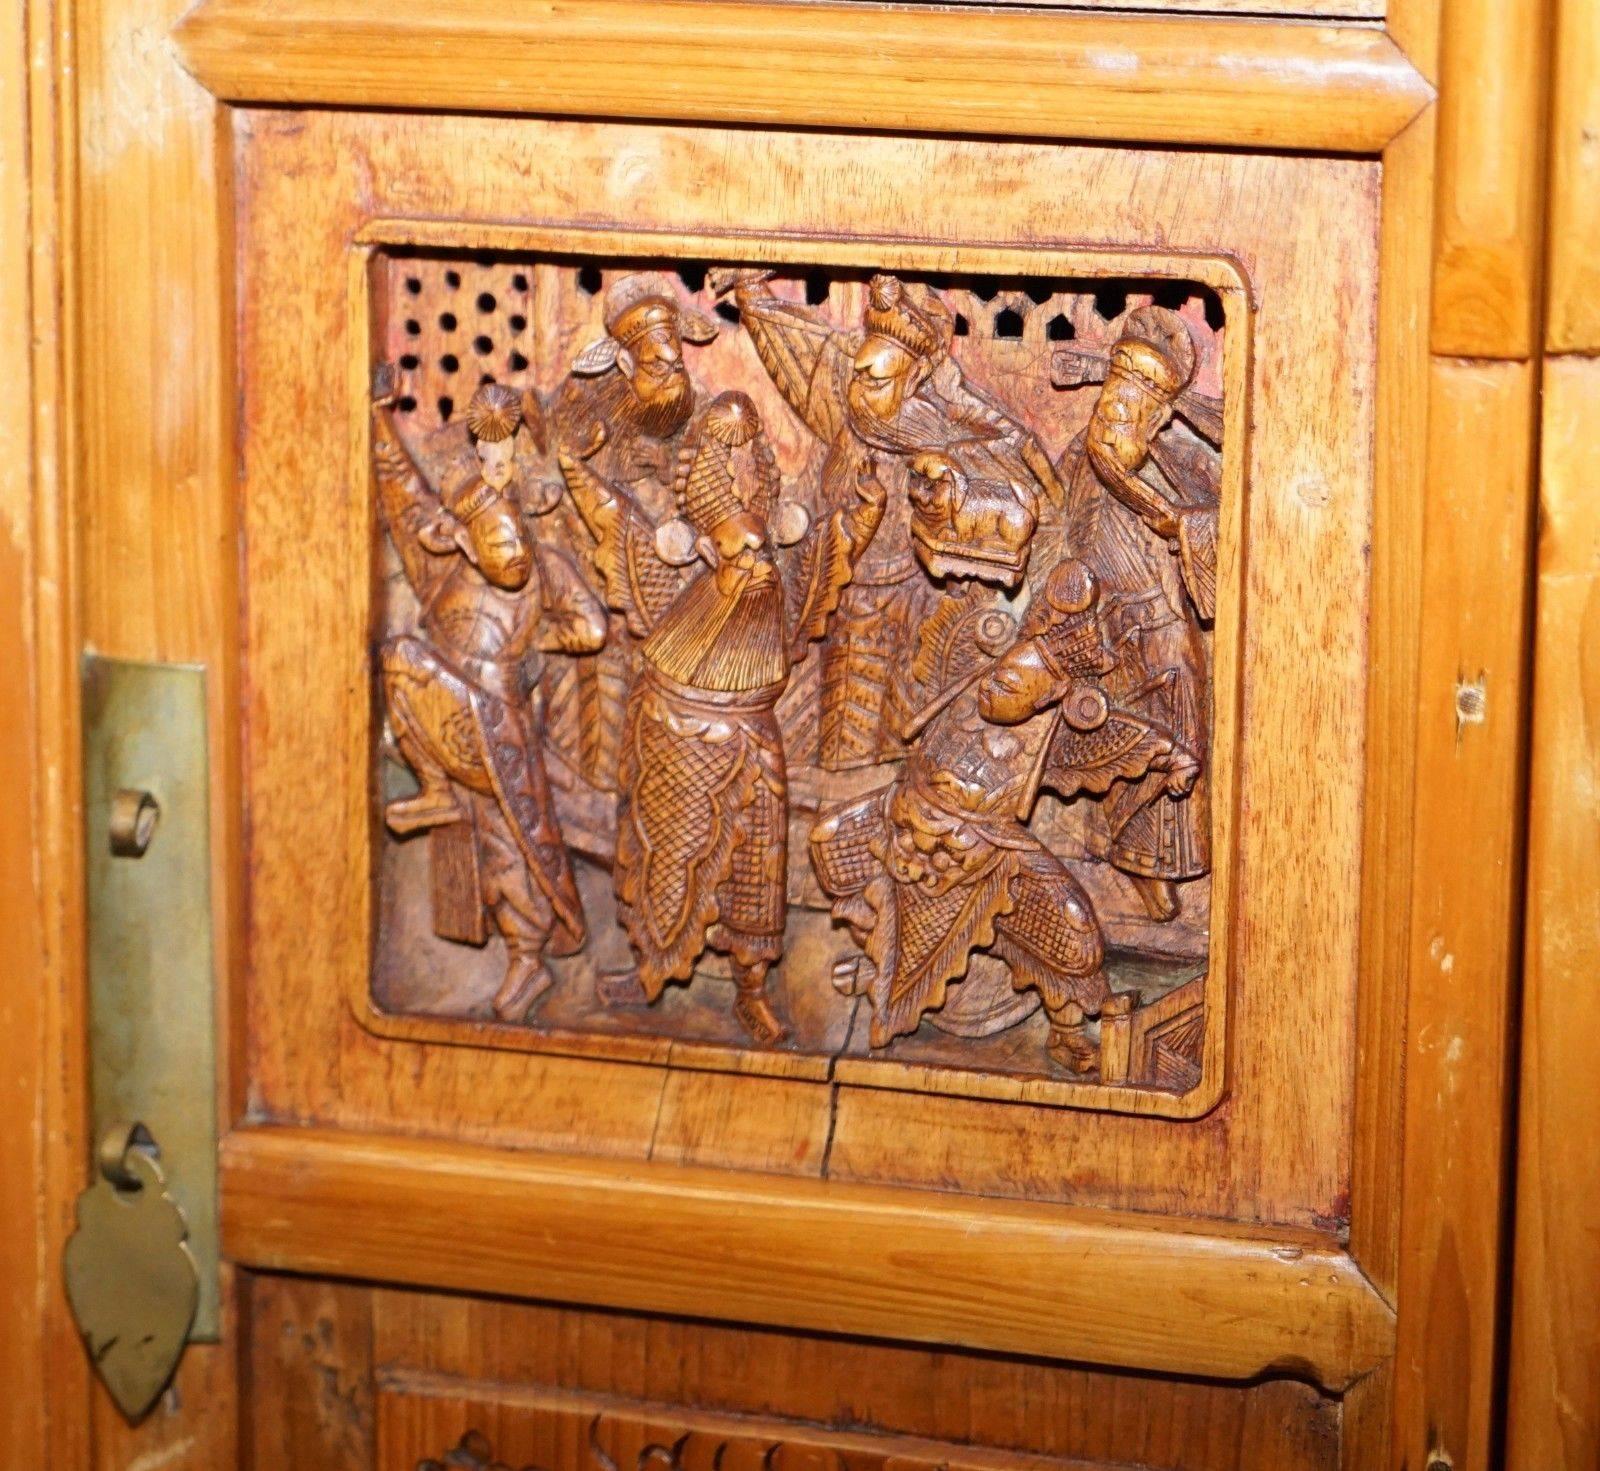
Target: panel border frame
(1193, 1298)
(77, 98)
(1294, 85)
(1220, 273)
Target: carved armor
(1154, 556)
(628, 403)
(458, 693)
(990, 625)
(942, 862)
(883, 399)
(702, 813)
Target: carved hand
(720, 280)
(385, 386)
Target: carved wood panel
(329, 202)
(579, 1437)
(803, 667)
(437, 1425)
(346, 1377)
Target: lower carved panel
(440, 1427)
(571, 1434)
(352, 1378)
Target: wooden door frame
(129, 544)
(44, 1411)
(1553, 1386)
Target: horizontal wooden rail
(1244, 83)
(1092, 1286)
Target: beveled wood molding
(1237, 83)
(1005, 1276)
(1489, 185)
(1572, 309)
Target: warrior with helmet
(1143, 515)
(627, 402)
(702, 812)
(941, 863)
(963, 478)
(633, 382)
(461, 693)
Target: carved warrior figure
(962, 477)
(1153, 552)
(458, 692)
(702, 816)
(942, 863)
(630, 393)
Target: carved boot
(526, 981)
(1069, 1044)
(433, 806)
(620, 988)
(751, 1007)
(1159, 897)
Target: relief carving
(702, 810)
(462, 709)
(568, 1435)
(942, 597)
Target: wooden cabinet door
(865, 702)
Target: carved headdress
(493, 416)
(495, 413)
(633, 305)
(1155, 348)
(921, 328)
(708, 489)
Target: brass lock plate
(152, 1008)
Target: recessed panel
(971, 348)
(803, 667)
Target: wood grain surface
(1489, 191)
(1278, 1148)
(44, 1404)
(1391, 672)
(1188, 1427)
(1012, 1277)
(1470, 714)
(1554, 1396)
(157, 575)
(1293, 84)
(1572, 304)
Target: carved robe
(588, 696)
(702, 809)
(941, 863)
(460, 701)
(1152, 598)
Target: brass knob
(134, 815)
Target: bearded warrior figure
(462, 699)
(963, 481)
(702, 812)
(630, 394)
(633, 382)
(942, 863)
(1142, 513)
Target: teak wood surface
(1554, 1393)
(1015, 1277)
(126, 532)
(1245, 83)
(1552, 1400)
(386, 248)
(311, 920)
